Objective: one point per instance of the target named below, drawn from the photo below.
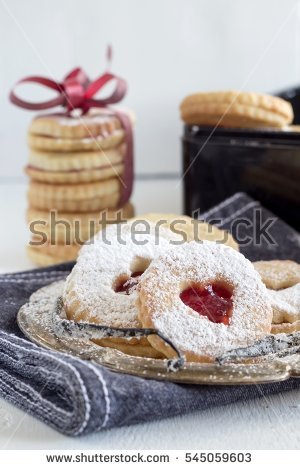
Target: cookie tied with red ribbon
(80, 154)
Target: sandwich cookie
(282, 277)
(75, 167)
(61, 133)
(236, 109)
(102, 287)
(82, 197)
(67, 227)
(206, 298)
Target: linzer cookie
(282, 277)
(286, 309)
(48, 254)
(286, 304)
(71, 227)
(206, 298)
(94, 131)
(61, 126)
(88, 197)
(278, 274)
(75, 167)
(191, 229)
(58, 236)
(236, 109)
(102, 286)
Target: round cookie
(286, 309)
(63, 227)
(278, 274)
(73, 176)
(236, 109)
(96, 143)
(75, 167)
(83, 197)
(189, 229)
(47, 255)
(282, 277)
(94, 131)
(94, 123)
(102, 286)
(213, 301)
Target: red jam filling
(129, 284)
(213, 301)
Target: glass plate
(36, 319)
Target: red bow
(75, 92)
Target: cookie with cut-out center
(282, 277)
(206, 298)
(102, 287)
(278, 274)
(286, 309)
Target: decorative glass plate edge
(34, 320)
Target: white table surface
(265, 423)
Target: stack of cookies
(75, 169)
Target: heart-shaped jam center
(213, 301)
(127, 286)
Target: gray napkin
(261, 234)
(78, 397)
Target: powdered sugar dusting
(102, 117)
(285, 304)
(101, 264)
(202, 264)
(278, 274)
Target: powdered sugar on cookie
(91, 292)
(202, 265)
(285, 304)
(278, 274)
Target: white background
(165, 48)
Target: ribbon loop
(116, 96)
(58, 101)
(76, 91)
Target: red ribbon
(77, 91)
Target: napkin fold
(78, 397)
